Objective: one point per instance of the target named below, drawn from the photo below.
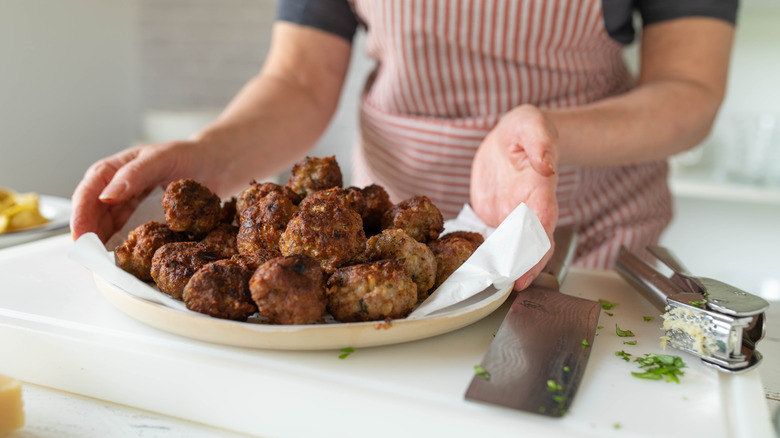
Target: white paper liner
(507, 253)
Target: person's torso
(474, 60)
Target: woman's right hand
(113, 187)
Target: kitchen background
(82, 79)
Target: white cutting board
(57, 330)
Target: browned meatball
(333, 236)
(262, 224)
(345, 198)
(252, 260)
(222, 240)
(257, 191)
(191, 207)
(417, 216)
(377, 202)
(135, 254)
(416, 257)
(451, 251)
(175, 263)
(313, 174)
(370, 292)
(289, 290)
(220, 289)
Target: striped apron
(446, 72)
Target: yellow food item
(11, 412)
(19, 211)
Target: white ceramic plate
(302, 337)
(53, 208)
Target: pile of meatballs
(306, 252)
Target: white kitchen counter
(57, 331)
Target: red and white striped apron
(447, 71)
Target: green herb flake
(554, 386)
(600, 327)
(617, 426)
(629, 342)
(622, 354)
(481, 372)
(585, 343)
(346, 352)
(623, 333)
(609, 313)
(606, 305)
(648, 318)
(699, 304)
(566, 368)
(660, 366)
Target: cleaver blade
(538, 356)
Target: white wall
(67, 89)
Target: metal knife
(539, 354)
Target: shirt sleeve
(654, 11)
(333, 16)
(618, 14)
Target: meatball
(416, 257)
(333, 236)
(370, 292)
(190, 207)
(262, 224)
(451, 251)
(135, 254)
(175, 263)
(257, 191)
(289, 290)
(250, 261)
(222, 240)
(345, 198)
(220, 289)
(313, 174)
(417, 216)
(377, 202)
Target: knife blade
(538, 356)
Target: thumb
(142, 170)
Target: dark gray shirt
(337, 17)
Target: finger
(137, 176)
(88, 211)
(533, 142)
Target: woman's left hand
(517, 163)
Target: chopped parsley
(622, 354)
(660, 366)
(585, 343)
(600, 327)
(606, 305)
(609, 313)
(629, 342)
(647, 318)
(623, 333)
(346, 352)
(566, 368)
(699, 304)
(481, 372)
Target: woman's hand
(516, 163)
(113, 187)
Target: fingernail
(527, 283)
(113, 190)
(548, 163)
